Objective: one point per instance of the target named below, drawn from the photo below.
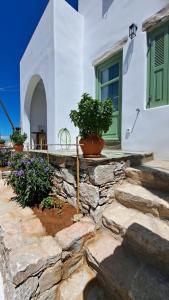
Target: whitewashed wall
(54, 55)
(36, 64)
(106, 22)
(68, 43)
(61, 53)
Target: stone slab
(123, 274)
(71, 238)
(36, 255)
(143, 199)
(146, 234)
(81, 285)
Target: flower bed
(32, 181)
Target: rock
(153, 174)
(102, 174)
(81, 285)
(27, 290)
(146, 234)
(32, 227)
(72, 201)
(35, 255)
(84, 208)
(73, 236)
(48, 295)
(97, 213)
(68, 176)
(71, 265)
(69, 189)
(89, 194)
(103, 201)
(125, 275)
(110, 195)
(50, 277)
(145, 200)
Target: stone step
(145, 234)
(123, 274)
(81, 285)
(153, 174)
(143, 199)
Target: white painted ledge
(159, 18)
(115, 49)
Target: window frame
(118, 57)
(150, 37)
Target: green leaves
(31, 179)
(18, 138)
(92, 116)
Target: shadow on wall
(128, 57)
(131, 273)
(105, 7)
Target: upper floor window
(158, 66)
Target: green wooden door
(158, 56)
(109, 86)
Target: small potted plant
(2, 143)
(18, 139)
(93, 118)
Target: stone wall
(33, 264)
(97, 180)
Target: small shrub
(47, 203)
(2, 141)
(31, 179)
(5, 155)
(18, 138)
(93, 116)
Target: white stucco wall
(107, 22)
(54, 55)
(61, 53)
(68, 43)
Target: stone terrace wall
(32, 264)
(97, 178)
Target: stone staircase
(131, 252)
(127, 258)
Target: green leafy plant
(31, 179)
(47, 203)
(93, 116)
(5, 155)
(2, 141)
(18, 138)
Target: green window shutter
(158, 66)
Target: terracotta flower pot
(18, 148)
(2, 145)
(92, 146)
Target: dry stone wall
(97, 183)
(33, 264)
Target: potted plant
(18, 139)
(2, 143)
(93, 118)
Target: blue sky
(18, 20)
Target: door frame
(106, 64)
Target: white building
(90, 51)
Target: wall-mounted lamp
(132, 30)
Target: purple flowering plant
(31, 178)
(5, 155)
